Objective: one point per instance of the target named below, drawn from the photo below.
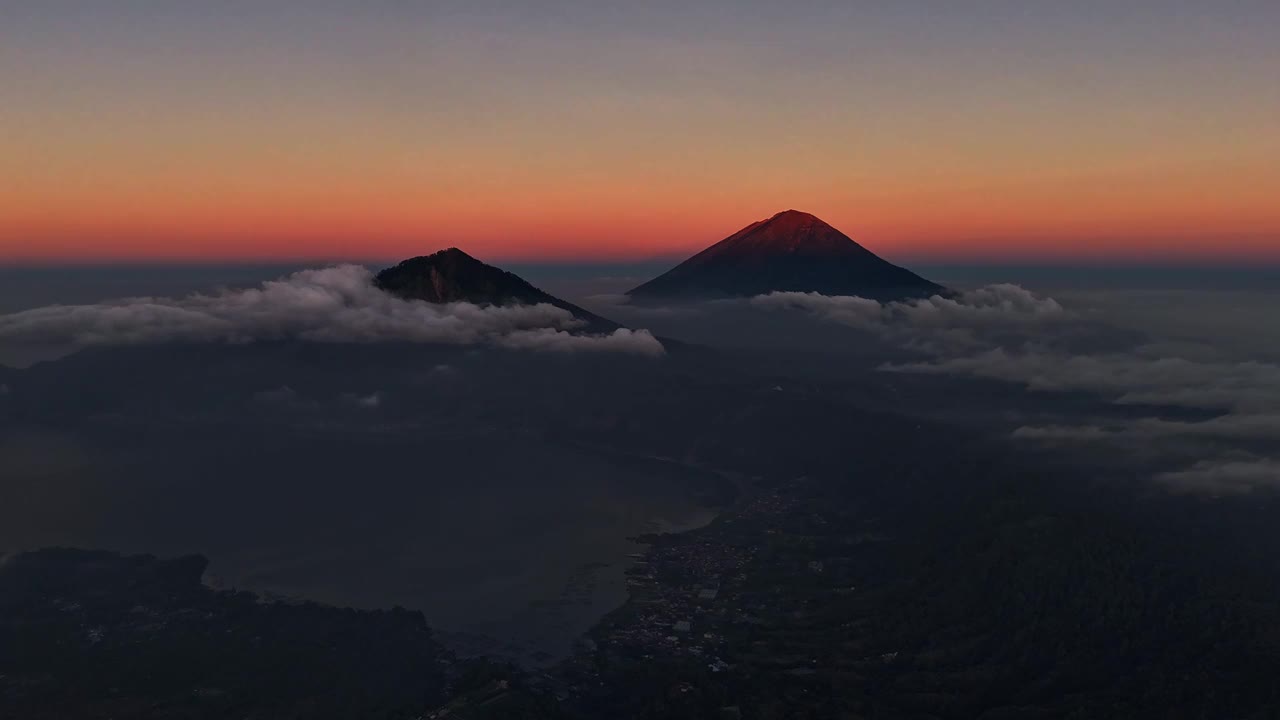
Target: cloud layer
(1004, 332)
(995, 305)
(1129, 379)
(1226, 477)
(337, 304)
(969, 320)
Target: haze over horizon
(184, 131)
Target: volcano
(791, 251)
(453, 276)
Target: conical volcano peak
(453, 252)
(454, 260)
(794, 219)
(790, 231)
(790, 251)
(451, 275)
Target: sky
(988, 130)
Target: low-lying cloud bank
(970, 320)
(1261, 426)
(994, 305)
(1004, 332)
(337, 304)
(1226, 476)
(1129, 379)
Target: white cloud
(1063, 432)
(1229, 476)
(337, 304)
(1260, 426)
(1003, 332)
(1246, 393)
(998, 305)
(968, 320)
(371, 401)
(1249, 387)
(847, 310)
(621, 340)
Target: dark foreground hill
(791, 251)
(94, 634)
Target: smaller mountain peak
(451, 275)
(794, 215)
(452, 253)
(793, 223)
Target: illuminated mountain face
(791, 251)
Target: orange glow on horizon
(1022, 225)
(209, 133)
(87, 205)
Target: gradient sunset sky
(951, 130)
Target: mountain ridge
(451, 275)
(789, 251)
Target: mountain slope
(454, 276)
(791, 251)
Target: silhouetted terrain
(454, 276)
(791, 251)
(94, 634)
(889, 543)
